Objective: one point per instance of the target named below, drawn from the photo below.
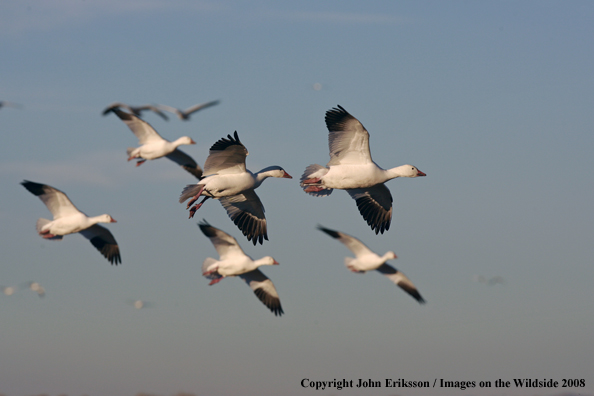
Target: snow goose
(366, 260)
(4, 103)
(68, 220)
(234, 262)
(136, 110)
(185, 114)
(352, 169)
(229, 181)
(153, 146)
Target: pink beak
(275, 262)
(192, 141)
(420, 173)
(287, 176)
(113, 221)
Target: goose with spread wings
(136, 110)
(234, 262)
(153, 146)
(68, 220)
(366, 260)
(185, 114)
(227, 179)
(352, 169)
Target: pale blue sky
(492, 100)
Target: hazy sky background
(492, 100)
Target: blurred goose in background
(136, 110)
(185, 114)
(352, 169)
(366, 260)
(36, 287)
(4, 103)
(234, 262)
(153, 146)
(227, 179)
(68, 219)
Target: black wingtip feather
(332, 233)
(34, 188)
(223, 143)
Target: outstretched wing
(247, 212)
(56, 201)
(375, 205)
(224, 243)
(103, 241)
(142, 129)
(186, 162)
(348, 139)
(263, 289)
(201, 106)
(354, 245)
(401, 280)
(226, 156)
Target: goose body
(367, 260)
(153, 146)
(234, 262)
(68, 220)
(351, 168)
(228, 180)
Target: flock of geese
(226, 179)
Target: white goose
(352, 169)
(229, 181)
(136, 110)
(366, 260)
(153, 146)
(234, 262)
(68, 220)
(185, 114)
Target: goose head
(409, 171)
(267, 261)
(184, 140)
(275, 171)
(105, 218)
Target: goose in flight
(4, 103)
(153, 146)
(185, 114)
(366, 260)
(136, 110)
(227, 179)
(352, 169)
(68, 220)
(234, 262)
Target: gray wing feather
(401, 280)
(263, 289)
(103, 241)
(186, 162)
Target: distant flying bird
(185, 114)
(140, 304)
(136, 110)
(68, 219)
(153, 146)
(491, 281)
(8, 290)
(352, 169)
(36, 287)
(366, 260)
(227, 180)
(4, 103)
(234, 262)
